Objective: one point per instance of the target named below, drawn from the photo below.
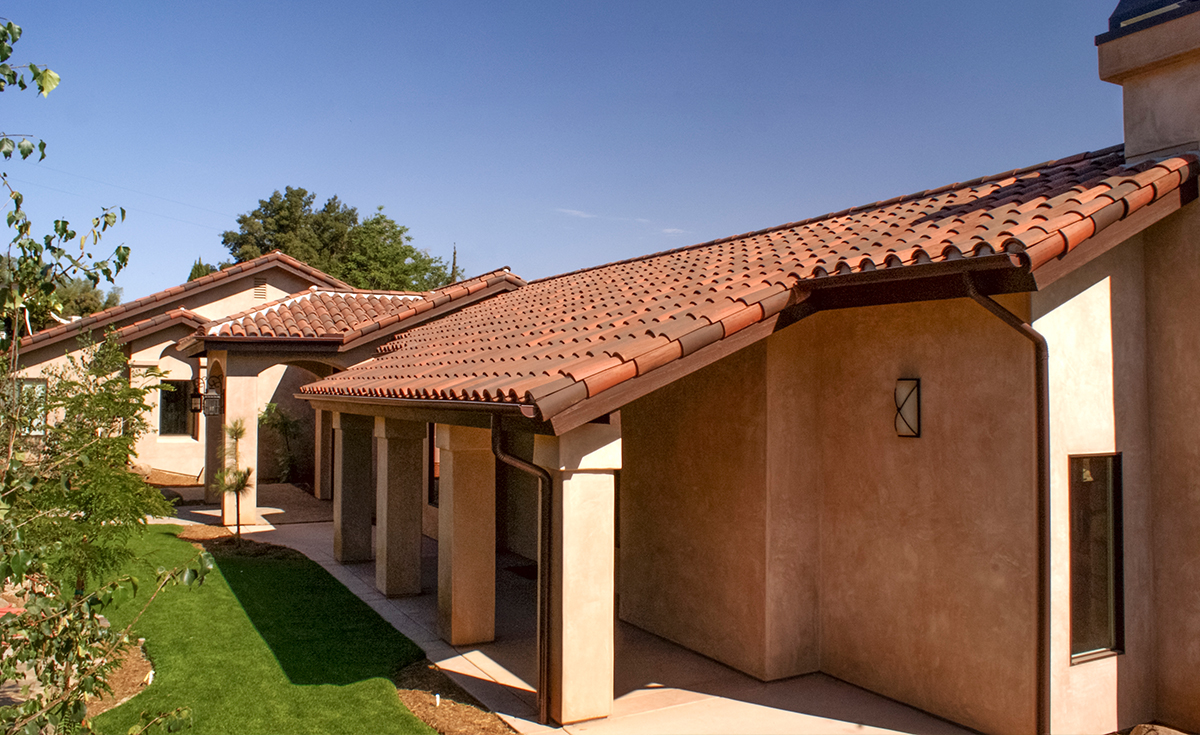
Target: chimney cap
(1132, 16)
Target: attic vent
(260, 288)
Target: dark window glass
(173, 414)
(432, 465)
(1097, 587)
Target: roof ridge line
(852, 210)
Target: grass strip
(267, 645)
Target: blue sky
(546, 136)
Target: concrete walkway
(660, 687)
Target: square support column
(353, 490)
(582, 584)
(241, 403)
(466, 536)
(323, 456)
(399, 491)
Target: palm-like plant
(235, 479)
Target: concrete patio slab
(660, 687)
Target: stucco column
(399, 491)
(323, 455)
(582, 585)
(466, 536)
(241, 404)
(352, 487)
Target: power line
(135, 191)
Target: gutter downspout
(1042, 389)
(545, 511)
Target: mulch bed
(130, 677)
(458, 713)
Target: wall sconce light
(196, 398)
(908, 407)
(214, 403)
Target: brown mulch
(458, 713)
(204, 533)
(126, 680)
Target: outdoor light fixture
(908, 407)
(213, 400)
(196, 397)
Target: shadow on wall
(270, 446)
(317, 629)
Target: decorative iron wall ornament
(908, 407)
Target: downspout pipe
(1042, 390)
(545, 514)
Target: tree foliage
(375, 253)
(67, 498)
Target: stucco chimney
(1152, 49)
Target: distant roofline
(100, 319)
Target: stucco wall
(772, 519)
(1172, 259)
(928, 545)
(693, 526)
(1094, 322)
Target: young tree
(235, 479)
(87, 510)
(59, 638)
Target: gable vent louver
(260, 288)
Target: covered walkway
(659, 687)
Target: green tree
(375, 253)
(80, 297)
(87, 510)
(234, 478)
(288, 222)
(381, 258)
(61, 639)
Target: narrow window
(432, 465)
(1097, 583)
(174, 418)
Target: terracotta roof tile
(346, 313)
(108, 316)
(564, 339)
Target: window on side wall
(1097, 579)
(174, 418)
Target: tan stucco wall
(1159, 69)
(183, 454)
(772, 519)
(1172, 258)
(1094, 321)
(693, 529)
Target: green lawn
(266, 645)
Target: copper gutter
(1042, 409)
(545, 510)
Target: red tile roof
(146, 303)
(344, 314)
(159, 321)
(562, 340)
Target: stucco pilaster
(399, 486)
(466, 536)
(353, 490)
